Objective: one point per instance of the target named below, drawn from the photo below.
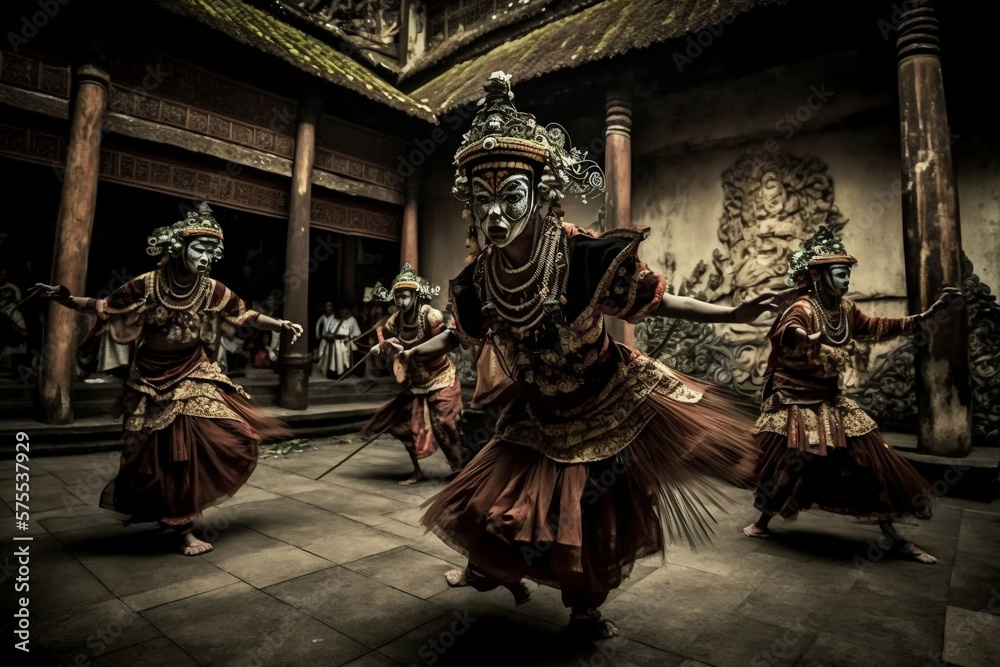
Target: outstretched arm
(440, 345)
(271, 324)
(60, 294)
(686, 308)
(884, 328)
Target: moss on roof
(504, 18)
(255, 27)
(604, 30)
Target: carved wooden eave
(255, 27)
(379, 56)
(268, 146)
(197, 183)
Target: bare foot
(606, 629)
(192, 546)
(753, 530)
(594, 628)
(520, 591)
(911, 550)
(412, 479)
(455, 578)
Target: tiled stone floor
(337, 571)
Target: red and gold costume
(819, 447)
(422, 416)
(600, 454)
(191, 435)
(597, 448)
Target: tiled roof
(604, 30)
(255, 27)
(448, 46)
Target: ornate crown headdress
(501, 131)
(170, 239)
(408, 279)
(378, 293)
(823, 248)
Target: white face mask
(404, 299)
(200, 253)
(503, 202)
(837, 279)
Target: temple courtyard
(338, 571)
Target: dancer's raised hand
(773, 301)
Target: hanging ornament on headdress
(824, 248)
(502, 135)
(472, 245)
(377, 293)
(171, 239)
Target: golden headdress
(171, 239)
(408, 279)
(824, 248)
(501, 136)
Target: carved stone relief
(769, 210)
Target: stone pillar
(931, 237)
(349, 271)
(295, 361)
(618, 175)
(74, 224)
(409, 240)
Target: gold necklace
(536, 251)
(167, 296)
(837, 333)
(416, 328)
(547, 282)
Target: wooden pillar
(349, 271)
(74, 224)
(931, 237)
(409, 239)
(295, 361)
(618, 175)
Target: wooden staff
(363, 445)
(354, 367)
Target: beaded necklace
(521, 307)
(836, 332)
(412, 333)
(164, 289)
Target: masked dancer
(191, 435)
(820, 449)
(422, 416)
(600, 453)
